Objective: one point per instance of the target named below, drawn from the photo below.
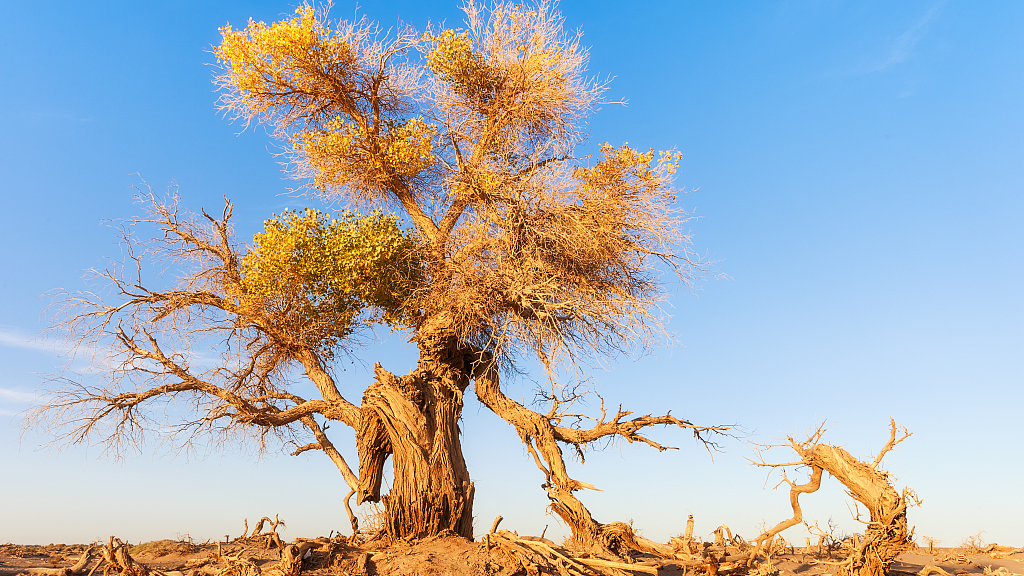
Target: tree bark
(887, 534)
(413, 419)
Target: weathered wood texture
(413, 419)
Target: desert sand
(500, 553)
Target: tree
(515, 248)
(886, 534)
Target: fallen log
(72, 570)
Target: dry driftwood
(236, 565)
(291, 564)
(795, 491)
(72, 570)
(993, 550)
(291, 558)
(536, 555)
(886, 533)
(268, 538)
(116, 559)
(930, 569)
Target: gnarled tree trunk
(414, 420)
(887, 534)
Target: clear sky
(857, 170)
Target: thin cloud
(906, 42)
(17, 339)
(90, 360)
(9, 395)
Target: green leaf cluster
(319, 278)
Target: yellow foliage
(322, 92)
(287, 56)
(625, 185)
(625, 167)
(315, 275)
(514, 62)
(341, 152)
(454, 61)
(473, 143)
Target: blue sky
(857, 172)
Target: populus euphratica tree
(515, 248)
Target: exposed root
(117, 559)
(532, 557)
(620, 539)
(291, 558)
(237, 565)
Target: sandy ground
(451, 557)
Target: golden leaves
(336, 96)
(474, 144)
(341, 152)
(454, 61)
(628, 174)
(289, 56)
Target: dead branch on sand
(532, 555)
(115, 558)
(795, 490)
(268, 538)
(886, 534)
(72, 570)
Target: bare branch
(306, 448)
(542, 437)
(146, 338)
(795, 490)
(891, 443)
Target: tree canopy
(482, 234)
